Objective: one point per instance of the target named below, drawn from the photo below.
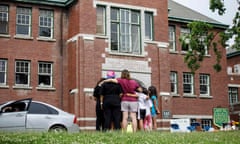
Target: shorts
(142, 114)
(129, 106)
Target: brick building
(233, 69)
(56, 51)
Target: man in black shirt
(111, 103)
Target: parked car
(28, 115)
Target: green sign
(220, 116)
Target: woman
(129, 104)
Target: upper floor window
(187, 83)
(172, 38)
(236, 69)
(184, 32)
(46, 23)
(233, 95)
(173, 81)
(23, 21)
(3, 19)
(149, 25)
(3, 72)
(45, 74)
(22, 73)
(125, 31)
(101, 14)
(204, 81)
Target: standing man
(99, 111)
(111, 103)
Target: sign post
(220, 116)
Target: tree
(201, 38)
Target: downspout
(61, 57)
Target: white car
(28, 115)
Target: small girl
(142, 107)
(154, 110)
(148, 118)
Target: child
(154, 110)
(142, 108)
(148, 118)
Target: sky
(202, 6)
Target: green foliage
(200, 40)
(223, 137)
(217, 5)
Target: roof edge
(183, 20)
(232, 54)
(47, 2)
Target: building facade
(56, 51)
(233, 69)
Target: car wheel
(58, 128)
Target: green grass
(221, 137)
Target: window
(233, 95)
(204, 84)
(149, 25)
(22, 73)
(173, 81)
(187, 83)
(206, 124)
(184, 32)
(236, 69)
(172, 38)
(46, 23)
(3, 72)
(101, 14)
(23, 21)
(3, 19)
(125, 31)
(37, 108)
(45, 74)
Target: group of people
(121, 99)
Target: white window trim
(29, 26)
(208, 85)
(29, 72)
(124, 6)
(5, 73)
(51, 75)
(52, 24)
(192, 85)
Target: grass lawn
(220, 137)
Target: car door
(40, 117)
(13, 115)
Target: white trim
(193, 116)
(96, 2)
(233, 85)
(164, 94)
(86, 118)
(84, 36)
(87, 128)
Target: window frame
(102, 19)
(151, 28)
(125, 39)
(189, 82)
(184, 32)
(22, 73)
(42, 15)
(232, 95)
(204, 80)
(173, 40)
(40, 84)
(2, 18)
(4, 71)
(173, 82)
(29, 24)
